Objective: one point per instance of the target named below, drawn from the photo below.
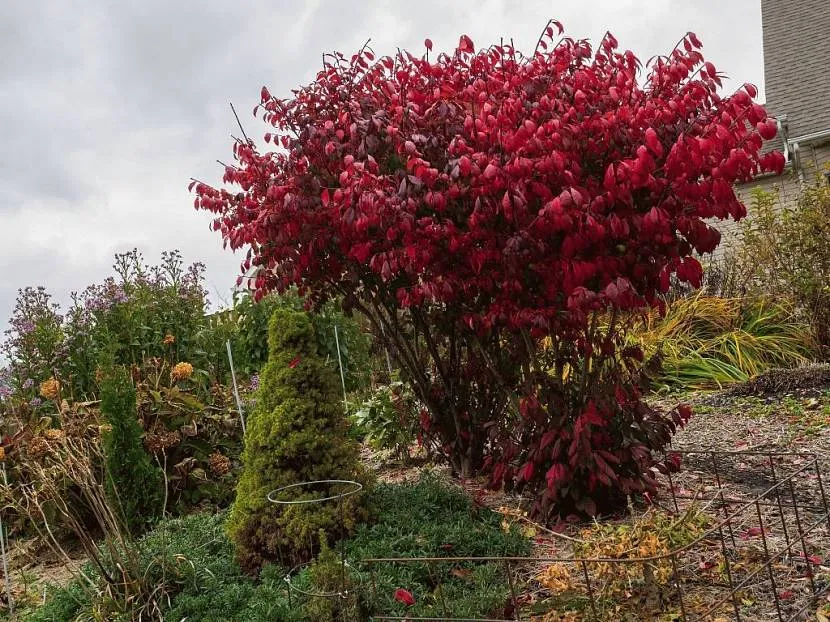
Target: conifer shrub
(133, 482)
(298, 433)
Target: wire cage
(758, 554)
(325, 491)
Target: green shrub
(785, 253)
(387, 419)
(62, 605)
(132, 481)
(297, 433)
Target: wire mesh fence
(756, 553)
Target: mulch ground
(777, 413)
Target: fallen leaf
(405, 597)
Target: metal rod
(728, 568)
(340, 363)
(723, 502)
(3, 542)
(512, 591)
(677, 585)
(780, 507)
(821, 489)
(673, 495)
(235, 387)
(589, 589)
(803, 542)
(769, 562)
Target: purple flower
(35, 402)
(254, 382)
(27, 326)
(28, 383)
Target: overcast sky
(108, 108)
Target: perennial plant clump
(476, 204)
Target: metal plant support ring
(352, 488)
(355, 488)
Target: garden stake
(340, 363)
(6, 576)
(801, 537)
(722, 500)
(769, 561)
(676, 579)
(821, 488)
(512, 590)
(235, 388)
(780, 506)
(728, 568)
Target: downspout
(796, 143)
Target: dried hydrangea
(50, 389)
(219, 464)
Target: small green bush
(297, 433)
(387, 419)
(133, 482)
(785, 253)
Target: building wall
(796, 38)
(814, 159)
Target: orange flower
(54, 434)
(181, 371)
(50, 389)
(169, 340)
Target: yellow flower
(53, 434)
(50, 389)
(181, 371)
(2, 453)
(169, 340)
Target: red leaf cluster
(493, 199)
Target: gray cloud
(108, 109)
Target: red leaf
(653, 142)
(295, 361)
(428, 44)
(405, 597)
(767, 129)
(324, 197)
(465, 44)
(526, 473)
(695, 41)
(751, 89)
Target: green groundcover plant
(426, 518)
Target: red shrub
(473, 205)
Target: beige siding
(787, 186)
